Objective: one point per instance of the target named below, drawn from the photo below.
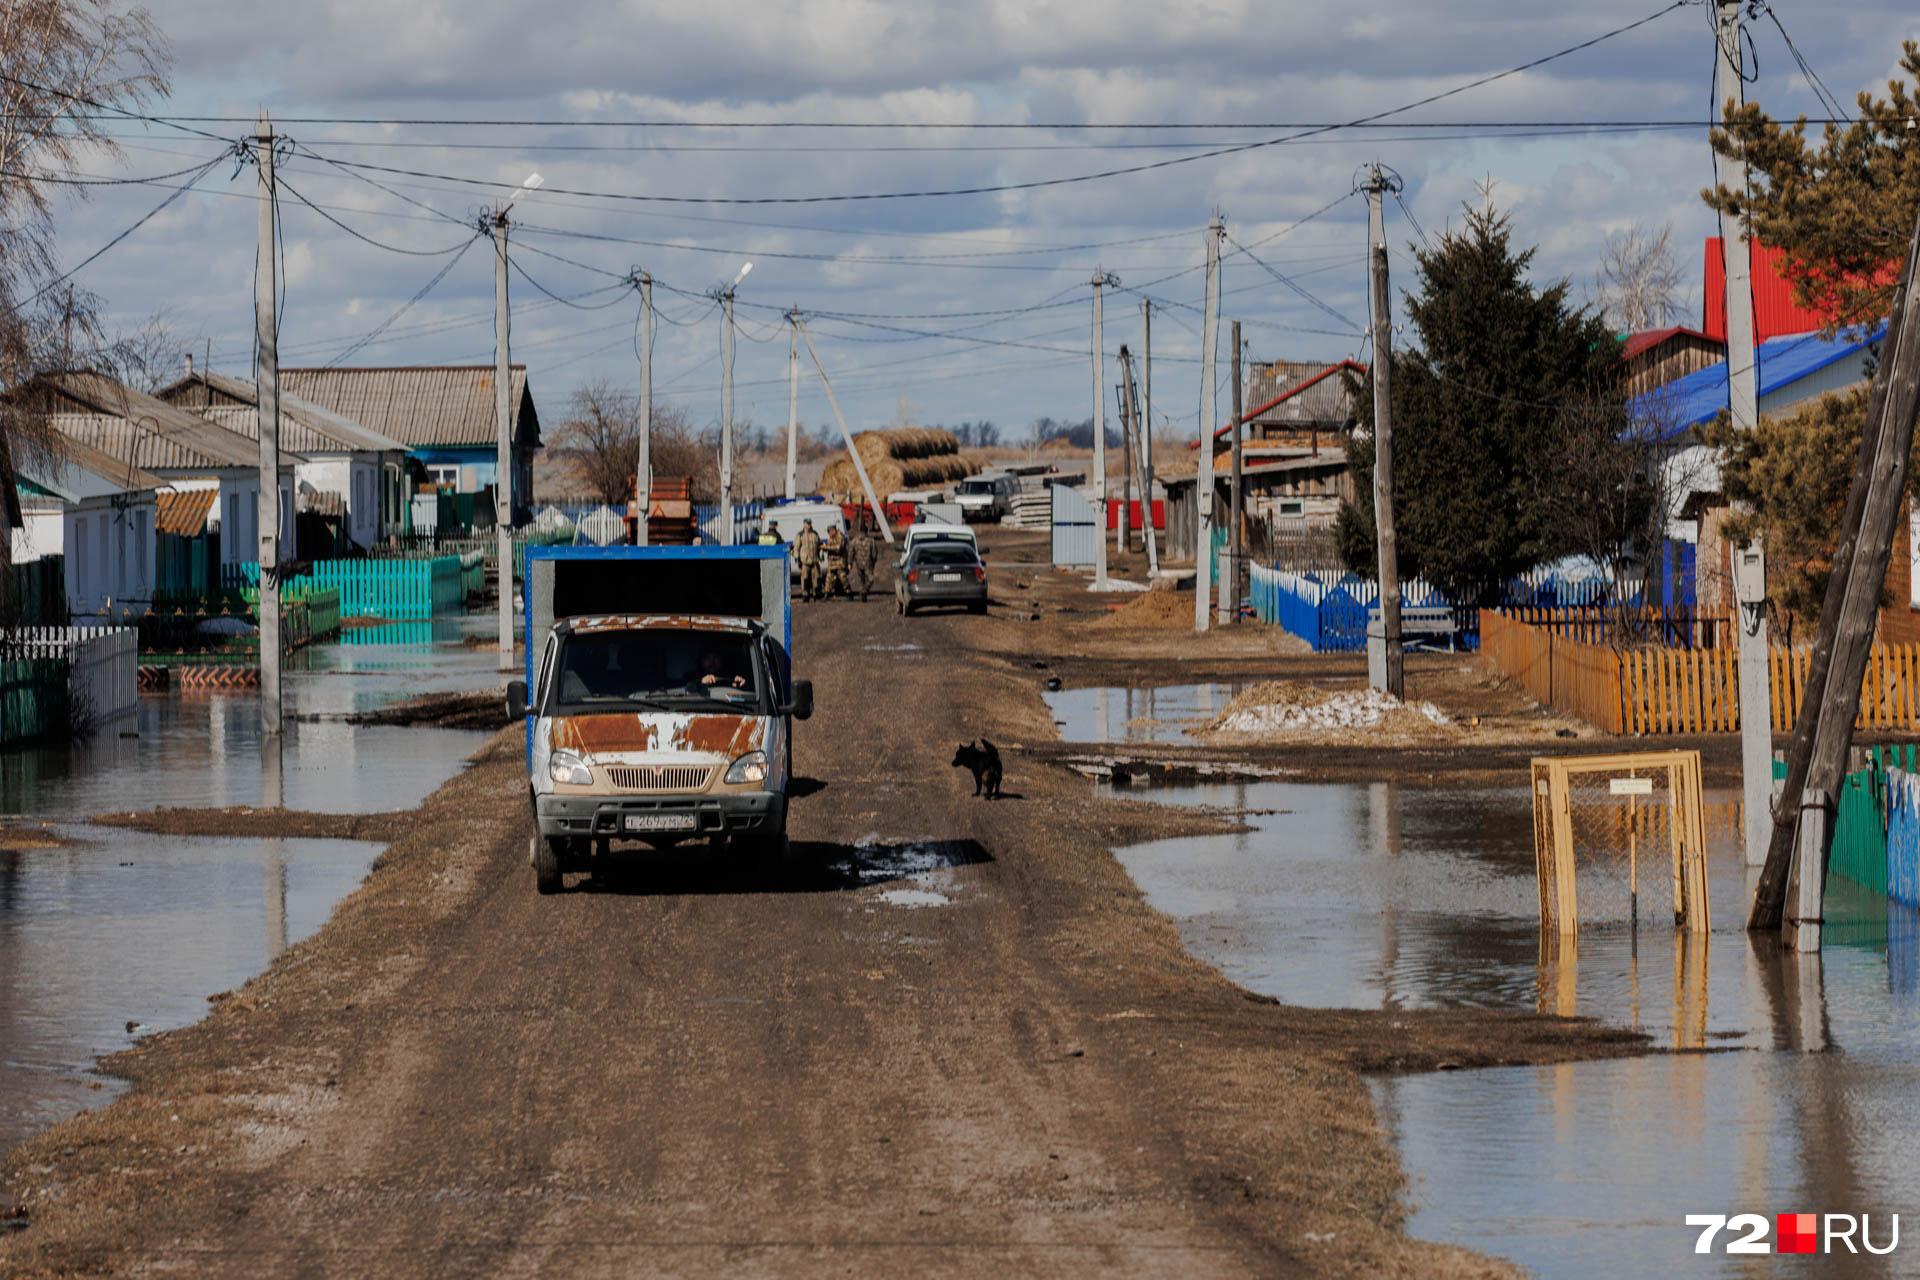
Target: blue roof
(1693, 400)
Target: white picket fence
(103, 665)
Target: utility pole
(1203, 478)
(1131, 401)
(1750, 562)
(833, 403)
(503, 424)
(793, 398)
(266, 308)
(726, 417)
(1146, 429)
(1100, 280)
(1123, 528)
(1230, 589)
(1789, 893)
(643, 472)
(1386, 662)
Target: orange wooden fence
(1645, 691)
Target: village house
(97, 514)
(1653, 358)
(181, 448)
(444, 414)
(353, 478)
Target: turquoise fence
(33, 698)
(391, 589)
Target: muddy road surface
(947, 1038)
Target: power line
(359, 235)
(142, 221)
(1298, 288)
(1034, 183)
(374, 334)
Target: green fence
(391, 589)
(186, 570)
(1859, 851)
(33, 698)
(37, 592)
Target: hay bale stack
(902, 458)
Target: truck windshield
(684, 669)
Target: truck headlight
(751, 767)
(564, 766)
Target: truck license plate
(661, 822)
(946, 577)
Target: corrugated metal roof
(1648, 339)
(420, 405)
(1775, 313)
(109, 474)
(1302, 393)
(304, 426)
(150, 433)
(1688, 402)
(183, 511)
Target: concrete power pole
(793, 399)
(1203, 477)
(1146, 428)
(266, 309)
(1130, 399)
(643, 472)
(1230, 589)
(1386, 661)
(1100, 280)
(503, 423)
(726, 418)
(1750, 561)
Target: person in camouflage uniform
(806, 551)
(863, 556)
(834, 551)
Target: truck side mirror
(802, 705)
(516, 699)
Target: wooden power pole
(1386, 661)
(1790, 890)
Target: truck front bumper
(718, 814)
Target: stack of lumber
(896, 459)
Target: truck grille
(660, 777)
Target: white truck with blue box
(659, 700)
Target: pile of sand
(1152, 609)
(1290, 708)
(898, 459)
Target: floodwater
(1163, 714)
(122, 927)
(1381, 896)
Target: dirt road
(949, 1039)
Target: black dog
(984, 759)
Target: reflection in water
(1163, 714)
(1390, 897)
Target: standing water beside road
(118, 933)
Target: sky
(1002, 279)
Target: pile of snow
(1117, 584)
(1291, 708)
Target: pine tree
(1477, 413)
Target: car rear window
(943, 553)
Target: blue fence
(1329, 611)
(392, 589)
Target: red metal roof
(1774, 310)
(1647, 339)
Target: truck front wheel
(546, 865)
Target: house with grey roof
(444, 414)
(352, 476)
(187, 451)
(98, 514)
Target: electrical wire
(1035, 183)
(360, 235)
(375, 333)
(142, 221)
(569, 302)
(1297, 287)
(1826, 96)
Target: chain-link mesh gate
(1612, 831)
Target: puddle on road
(1163, 714)
(96, 936)
(923, 872)
(126, 927)
(1387, 897)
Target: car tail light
(913, 575)
(979, 574)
